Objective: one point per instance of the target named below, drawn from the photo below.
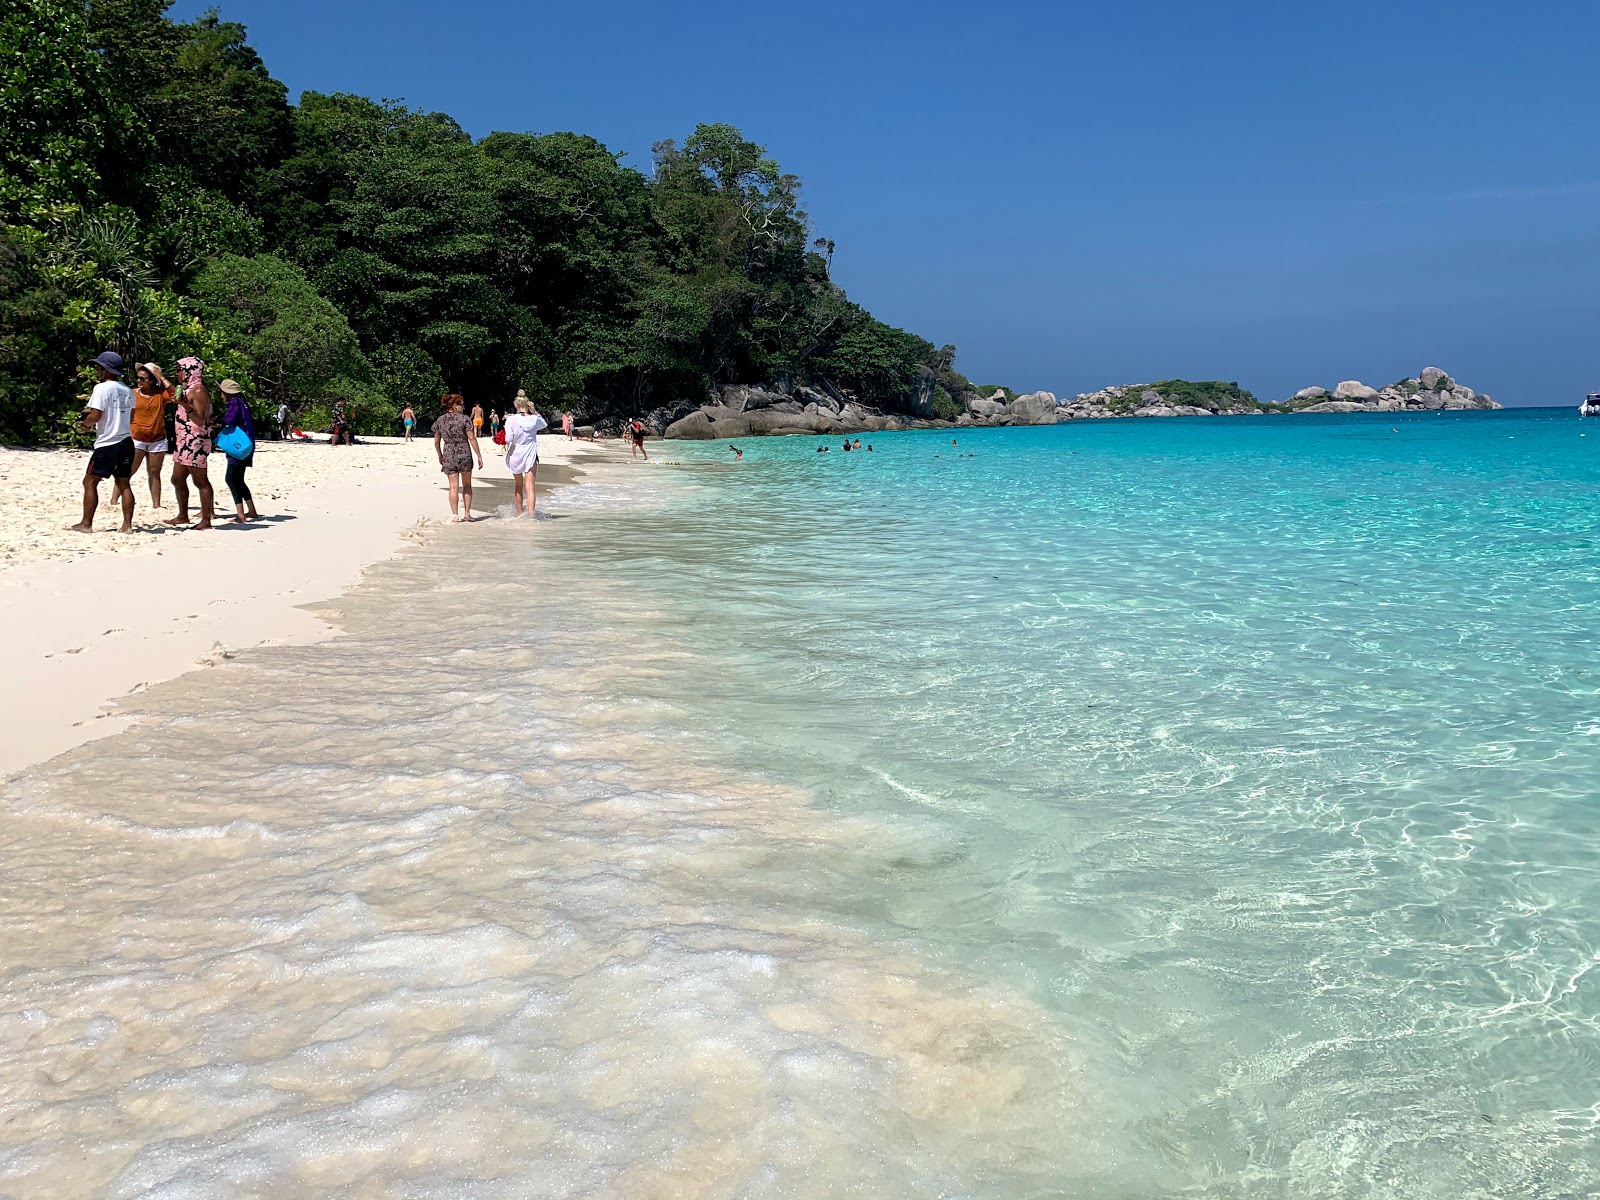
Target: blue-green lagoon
(1193, 807)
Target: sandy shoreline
(96, 617)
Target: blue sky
(1080, 194)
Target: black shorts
(112, 462)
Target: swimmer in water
(738, 454)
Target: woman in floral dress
(192, 453)
(456, 441)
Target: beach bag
(499, 437)
(236, 443)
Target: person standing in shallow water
(192, 452)
(636, 437)
(244, 504)
(455, 439)
(109, 414)
(522, 451)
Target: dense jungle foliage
(160, 196)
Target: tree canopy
(159, 195)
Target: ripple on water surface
(456, 905)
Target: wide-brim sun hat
(109, 360)
(229, 387)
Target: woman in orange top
(152, 393)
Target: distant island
(1430, 389)
(750, 411)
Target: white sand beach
(97, 616)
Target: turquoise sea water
(1265, 753)
(1118, 810)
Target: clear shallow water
(1135, 809)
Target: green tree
(300, 347)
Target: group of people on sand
(455, 440)
(142, 425)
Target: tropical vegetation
(160, 195)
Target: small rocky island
(1431, 388)
(743, 410)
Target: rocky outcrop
(1431, 389)
(1142, 400)
(743, 411)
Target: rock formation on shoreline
(744, 410)
(1431, 389)
(741, 410)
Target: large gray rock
(1353, 389)
(756, 399)
(708, 423)
(987, 409)
(823, 401)
(774, 420)
(1431, 378)
(1310, 393)
(1036, 408)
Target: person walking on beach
(238, 418)
(151, 395)
(636, 433)
(566, 425)
(522, 451)
(494, 421)
(477, 421)
(109, 414)
(283, 420)
(455, 439)
(408, 419)
(191, 452)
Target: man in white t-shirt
(110, 415)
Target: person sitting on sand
(151, 395)
(522, 451)
(109, 414)
(244, 503)
(191, 453)
(340, 429)
(455, 439)
(408, 419)
(636, 434)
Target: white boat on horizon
(1590, 406)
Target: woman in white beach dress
(522, 450)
